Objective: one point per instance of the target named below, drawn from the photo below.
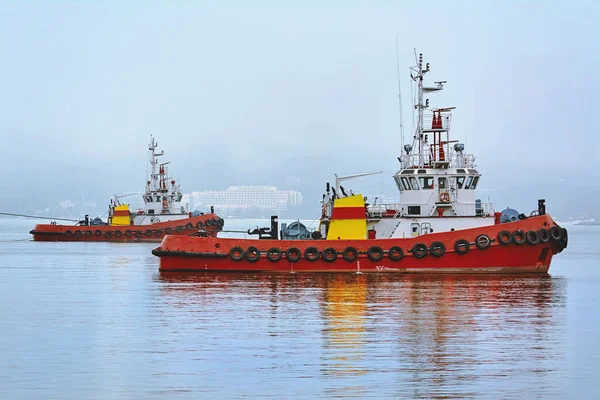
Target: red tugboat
(438, 227)
(163, 214)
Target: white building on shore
(245, 200)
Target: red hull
(130, 233)
(179, 253)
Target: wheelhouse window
(442, 183)
(414, 183)
(460, 180)
(474, 184)
(426, 182)
(469, 181)
(397, 180)
(405, 183)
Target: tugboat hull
(524, 246)
(211, 223)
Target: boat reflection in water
(382, 334)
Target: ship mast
(420, 140)
(154, 176)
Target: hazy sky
(289, 94)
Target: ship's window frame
(407, 172)
(460, 180)
(158, 199)
(426, 182)
(413, 183)
(461, 171)
(442, 182)
(469, 181)
(472, 171)
(475, 182)
(405, 183)
(422, 171)
(398, 183)
(148, 199)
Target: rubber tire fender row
(108, 234)
(157, 233)
(179, 229)
(375, 253)
(128, 233)
(88, 233)
(274, 254)
(532, 237)
(189, 225)
(504, 238)
(483, 242)
(118, 233)
(68, 233)
(98, 233)
(518, 237)
(555, 233)
(252, 254)
(311, 253)
(77, 233)
(293, 254)
(138, 234)
(395, 253)
(419, 250)
(329, 254)
(236, 253)
(168, 231)
(462, 246)
(350, 254)
(437, 249)
(148, 232)
(544, 235)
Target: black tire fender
(395, 253)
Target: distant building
(246, 200)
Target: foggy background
(289, 95)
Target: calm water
(99, 321)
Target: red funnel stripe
(121, 213)
(348, 213)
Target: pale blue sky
(85, 83)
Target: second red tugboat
(438, 226)
(163, 214)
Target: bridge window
(474, 184)
(426, 182)
(397, 180)
(459, 181)
(442, 183)
(469, 180)
(405, 183)
(413, 183)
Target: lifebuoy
(555, 233)
(68, 233)
(77, 233)
(437, 249)
(395, 253)
(88, 233)
(157, 233)
(293, 254)
(98, 233)
(419, 250)
(118, 233)
(375, 253)
(128, 233)
(148, 232)
(532, 238)
(168, 231)
(462, 246)
(311, 253)
(329, 254)
(445, 197)
(252, 254)
(350, 254)
(273, 254)
(544, 235)
(483, 241)
(236, 253)
(518, 237)
(504, 237)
